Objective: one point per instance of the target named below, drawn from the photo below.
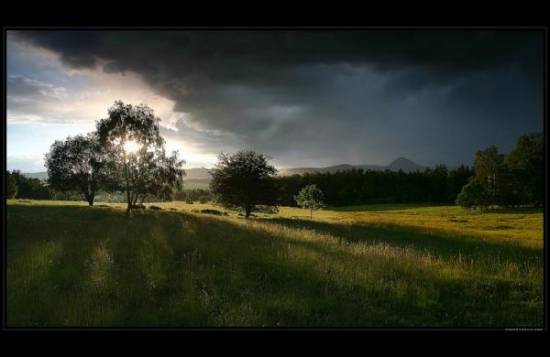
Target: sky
(304, 98)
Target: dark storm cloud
(223, 52)
(331, 96)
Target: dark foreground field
(431, 266)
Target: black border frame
(5, 29)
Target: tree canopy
(26, 187)
(507, 180)
(526, 161)
(78, 164)
(310, 197)
(359, 186)
(245, 180)
(11, 185)
(132, 135)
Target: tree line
(20, 186)
(247, 181)
(126, 156)
(194, 195)
(512, 180)
(358, 186)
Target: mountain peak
(402, 163)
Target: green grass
(384, 265)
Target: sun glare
(131, 146)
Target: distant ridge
(400, 163)
(195, 178)
(36, 175)
(200, 178)
(197, 174)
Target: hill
(195, 178)
(197, 174)
(200, 178)
(37, 175)
(405, 165)
(401, 163)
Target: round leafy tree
(132, 135)
(310, 197)
(78, 164)
(244, 180)
(474, 194)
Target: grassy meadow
(375, 266)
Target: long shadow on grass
(176, 269)
(377, 302)
(437, 243)
(293, 292)
(39, 298)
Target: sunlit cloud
(34, 104)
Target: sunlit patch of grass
(73, 265)
(100, 262)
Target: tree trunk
(90, 194)
(127, 179)
(91, 199)
(247, 211)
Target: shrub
(473, 194)
(212, 211)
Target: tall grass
(71, 265)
